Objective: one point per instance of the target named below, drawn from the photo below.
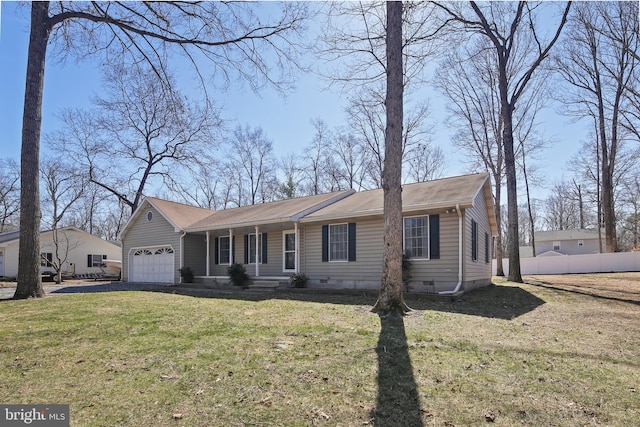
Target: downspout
(184, 233)
(456, 290)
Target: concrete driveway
(75, 287)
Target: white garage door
(152, 265)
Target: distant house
(82, 252)
(335, 239)
(568, 242)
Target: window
(422, 237)
(224, 250)
(45, 259)
(416, 237)
(149, 216)
(250, 248)
(474, 240)
(95, 260)
(339, 242)
(556, 246)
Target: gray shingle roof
(436, 194)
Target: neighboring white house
(79, 251)
(335, 239)
(568, 242)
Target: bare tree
(366, 113)
(505, 25)
(9, 194)
(468, 78)
(562, 209)
(230, 36)
(64, 185)
(314, 158)
(252, 154)
(142, 132)
(352, 161)
(600, 63)
(293, 173)
(630, 226)
(425, 162)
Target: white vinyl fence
(567, 264)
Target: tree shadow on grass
(398, 402)
(496, 301)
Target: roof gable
(179, 215)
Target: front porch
(255, 282)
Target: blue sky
(286, 121)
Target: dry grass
(620, 286)
(513, 354)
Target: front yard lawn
(509, 355)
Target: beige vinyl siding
(142, 233)
(441, 274)
(195, 253)
(368, 264)
(476, 271)
(366, 271)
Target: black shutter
(246, 249)
(89, 260)
(264, 248)
(474, 240)
(434, 236)
(487, 257)
(352, 241)
(216, 250)
(233, 250)
(325, 243)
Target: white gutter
(456, 290)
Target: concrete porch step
(265, 284)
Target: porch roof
(266, 213)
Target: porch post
(208, 254)
(257, 246)
(297, 253)
(231, 248)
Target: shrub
(238, 275)
(298, 280)
(187, 274)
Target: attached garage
(156, 265)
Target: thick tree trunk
(513, 241)
(29, 280)
(390, 301)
